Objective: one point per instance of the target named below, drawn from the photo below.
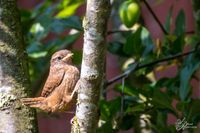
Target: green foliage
(155, 100)
(145, 97)
(44, 30)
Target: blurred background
(52, 25)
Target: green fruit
(129, 12)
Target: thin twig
(118, 77)
(122, 96)
(155, 17)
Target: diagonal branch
(138, 66)
(155, 17)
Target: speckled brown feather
(58, 91)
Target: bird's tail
(33, 102)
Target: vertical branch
(14, 78)
(92, 69)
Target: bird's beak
(68, 55)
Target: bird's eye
(59, 58)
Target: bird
(59, 89)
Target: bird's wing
(73, 75)
(54, 80)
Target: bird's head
(62, 56)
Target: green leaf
(146, 42)
(127, 90)
(168, 20)
(180, 23)
(140, 107)
(61, 43)
(37, 28)
(133, 44)
(193, 113)
(38, 54)
(109, 108)
(105, 111)
(178, 44)
(139, 43)
(161, 120)
(44, 8)
(107, 126)
(162, 100)
(60, 25)
(77, 57)
(185, 76)
(34, 47)
(116, 48)
(68, 10)
(127, 122)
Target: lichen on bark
(14, 79)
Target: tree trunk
(92, 69)
(14, 79)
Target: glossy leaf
(185, 76)
(133, 44)
(68, 10)
(60, 25)
(180, 23)
(139, 43)
(146, 41)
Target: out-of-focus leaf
(180, 23)
(139, 108)
(161, 120)
(107, 126)
(127, 90)
(109, 108)
(139, 43)
(185, 76)
(77, 57)
(162, 100)
(38, 54)
(133, 44)
(105, 111)
(45, 8)
(61, 43)
(68, 10)
(193, 113)
(37, 28)
(34, 47)
(171, 38)
(168, 20)
(59, 25)
(178, 44)
(127, 122)
(182, 105)
(146, 41)
(192, 39)
(116, 48)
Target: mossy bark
(92, 69)
(14, 78)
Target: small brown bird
(58, 91)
